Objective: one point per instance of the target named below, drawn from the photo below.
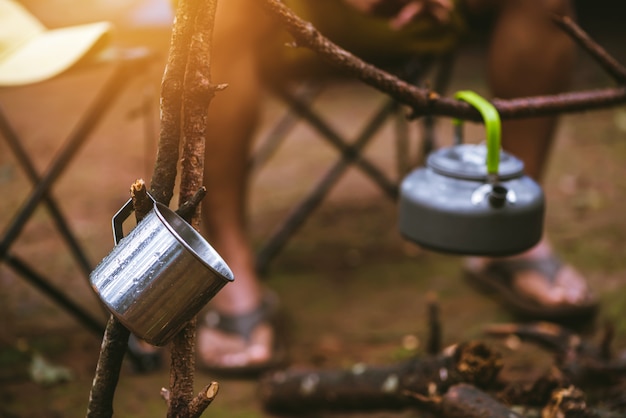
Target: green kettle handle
(492, 124)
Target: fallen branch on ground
(384, 387)
(583, 362)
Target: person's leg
(529, 55)
(232, 121)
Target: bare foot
(535, 276)
(238, 342)
(567, 287)
(218, 349)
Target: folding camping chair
(30, 53)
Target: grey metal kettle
(472, 199)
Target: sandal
(240, 332)
(497, 277)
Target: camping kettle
(472, 199)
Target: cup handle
(121, 216)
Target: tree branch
(197, 93)
(606, 61)
(424, 101)
(164, 174)
(141, 202)
(188, 209)
(186, 92)
(201, 402)
(114, 343)
(390, 387)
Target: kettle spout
(498, 196)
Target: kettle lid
(468, 162)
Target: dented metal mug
(159, 276)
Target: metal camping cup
(159, 276)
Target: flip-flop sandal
(497, 278)
(243, 326)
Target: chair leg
(282, 128)
(330, 135)
(42, 284)
(401, 134)
(53, 208)
(350, 155)
(76, 140)
(126, 70)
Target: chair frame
(298, 105)
(129, 64)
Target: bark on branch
(197, 92)
(203, 399)
(467, 401)
(165, 168)
(114, 343)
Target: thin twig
(433, 345)
(165, 394)
(597, 52)
(141, 201)
(188, 209)
(201, 402)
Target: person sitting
(527, 55)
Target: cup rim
(163, 213)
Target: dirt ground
(352, 288)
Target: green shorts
(369, 36)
